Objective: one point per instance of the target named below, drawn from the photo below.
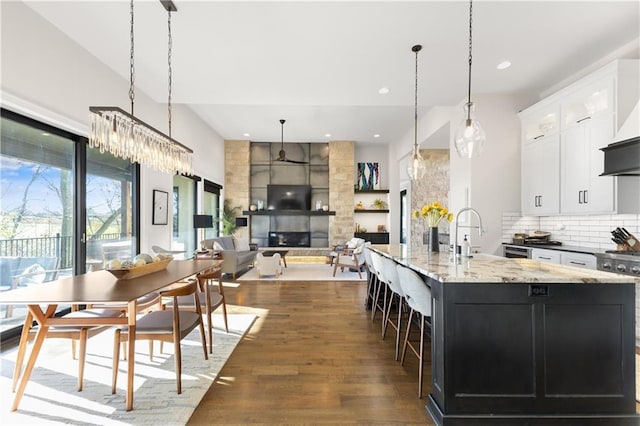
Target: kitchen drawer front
(545, 255)
(580, 260)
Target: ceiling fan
(282, 155)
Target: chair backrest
(369, 260)
(391, 275)
(377, 264)
(416, 291)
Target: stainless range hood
(622, 158)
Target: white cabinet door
(583, 190)
(544, 255)
(541, 176)
(579, 260)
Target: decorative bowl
(139, 271)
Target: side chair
(211, 297)
(75, 333)
(165, 326)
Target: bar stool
(377, 268)
(390, 274)
(418, 296)
(372, 281)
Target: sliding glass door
(64, 208)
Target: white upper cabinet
(585, 117)
(589, 102)
(541, 176)
(583, 189)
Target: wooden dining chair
(76, 333)
(165, 326)
(211, 297)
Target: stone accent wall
(341, 194)
(237, 191)
(434, 187)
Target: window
(403, 216)
(184, 207)
(60, 204)
(211, 206)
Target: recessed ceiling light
(383, 90)
(246, 135)
(327, 135)
(376, 135)
(45, 134)
(503, 65)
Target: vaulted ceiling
(244, 65)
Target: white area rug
(51, 396)
(306, 272)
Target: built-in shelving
(371, 210)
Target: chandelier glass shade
(469, 137)
(417, 167)
(121, 134)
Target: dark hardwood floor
(313, 356)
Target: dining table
(99, 287)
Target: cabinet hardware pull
(538, 137)
(583, 119)
(584, 196)
(579, 197)
(577, 263)
(545, 258)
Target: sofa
(236, 254)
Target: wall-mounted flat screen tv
(289, 197)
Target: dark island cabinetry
(533, 353)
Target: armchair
(268, 265)
(351, 256)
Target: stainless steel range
(620, 262)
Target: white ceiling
(244, 65)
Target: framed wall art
(160, 207)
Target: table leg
(33, 356)
(284, 260)
(22, 349)
(131, 349)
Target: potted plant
(228, 219)
(379, 204)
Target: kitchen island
(517, 341)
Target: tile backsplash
(592, 231)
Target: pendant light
(417, 168)
(470, 137)
(124, 135)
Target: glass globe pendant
(470, 137)
(417, 168)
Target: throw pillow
(34, 274)
(241, 245)
(217, 246)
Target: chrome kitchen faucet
(455, 240)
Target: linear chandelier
(124, 135)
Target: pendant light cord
(470, 56)
(416, 49)
(169, 49)
(132, 94)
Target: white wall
(47, 76)
(490, 183)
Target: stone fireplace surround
(334, 189)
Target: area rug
(305, 272)
(51, 396)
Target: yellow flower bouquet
(433, 213)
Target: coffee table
(282, 253)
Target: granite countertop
(486, 268)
